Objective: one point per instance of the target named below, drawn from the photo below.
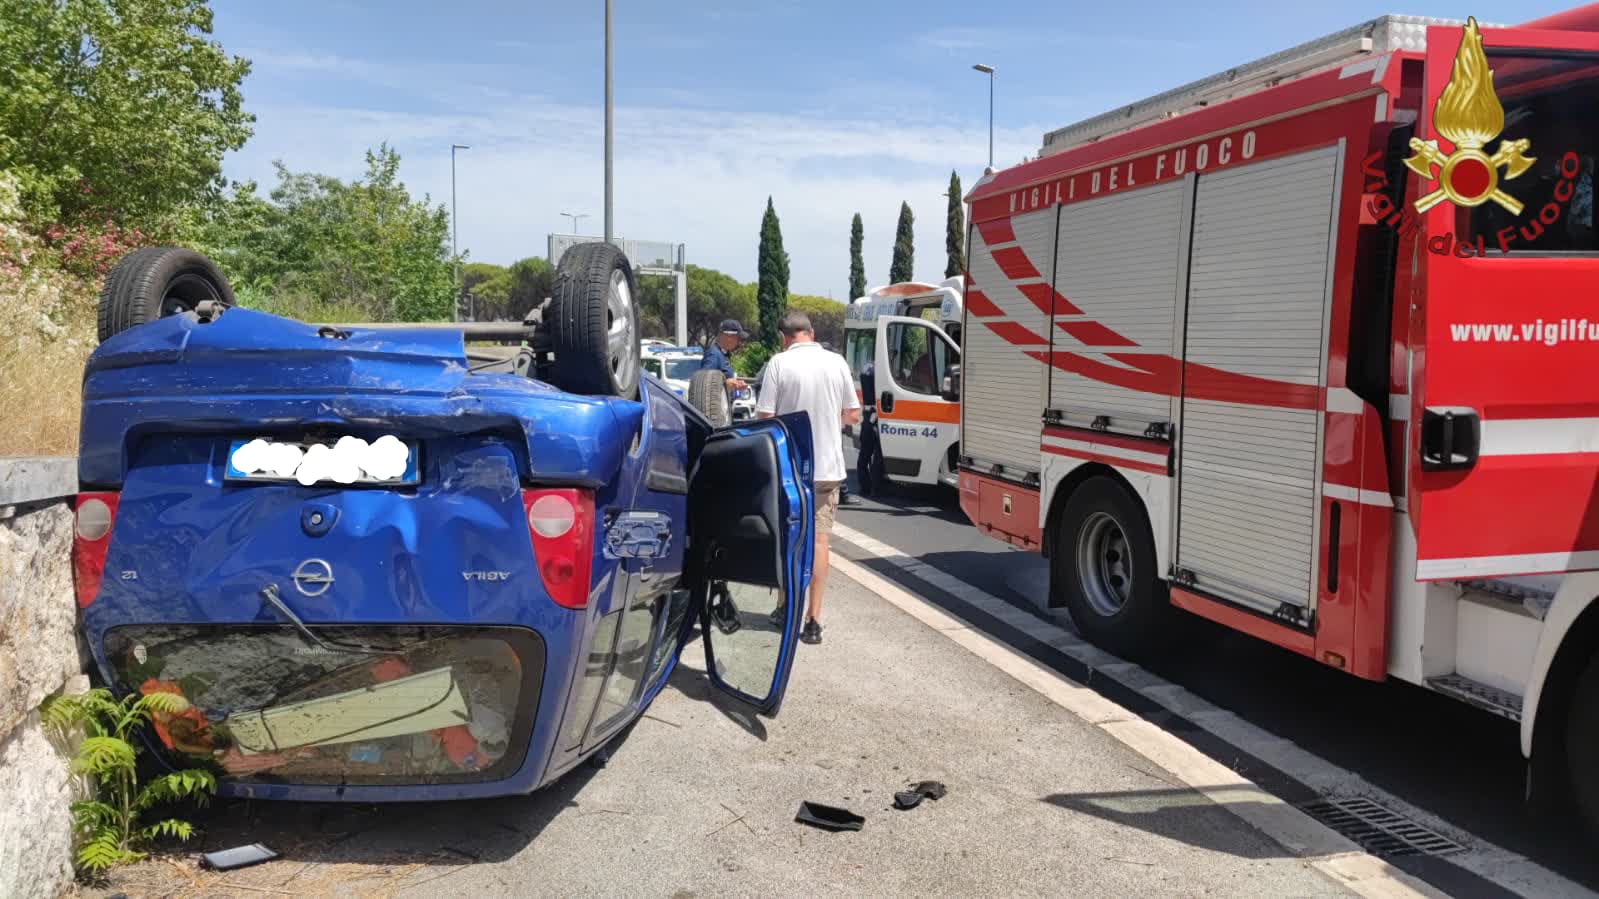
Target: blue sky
(830, 107)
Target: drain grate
(1378, 830)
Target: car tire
(1582, 745)
(156, 282)
(593, 323)
(707, 392)
(1102, 569)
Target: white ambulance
(909, 333)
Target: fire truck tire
(1582, 745)
(155, 282)
(1102, 568)
(593, 322)
(707, 392)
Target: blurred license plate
(386, 461)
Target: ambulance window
(918, 357)
(860, 344)
(1548, 100)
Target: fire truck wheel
(155, 282)
(707, 392)
(593, 322)
(1582, 745)
(1102, 567)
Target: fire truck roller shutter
(1002, 387)
(1250, 455)
(1117, 261)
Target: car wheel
(156, 282)
(707, 392)
(1582, 745)
(1102, 568)
(593, 319)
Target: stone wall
(39, 656)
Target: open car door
(751, 523)
(1504, 454)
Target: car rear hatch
(348, 554)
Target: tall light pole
(455, 230)
(989, 71)
(608, 232)
(574, 216)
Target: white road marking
(1374, 877)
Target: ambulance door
(915, 423)
(1504, 461)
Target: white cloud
(687, 175)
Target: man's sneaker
(812, 633)
(778, 616)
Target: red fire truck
(1308, 348)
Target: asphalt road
(1459, 764)
(700, 799)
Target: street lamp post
(608, 232)
(574, 216)
(455, 231)
(989, 71)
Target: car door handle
(1450, 438)
(885, 402)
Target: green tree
(490, 288)
(827, 318)
(857, 265)
(903, 268)
(322, 248)
(712, 298)
(955, 230)
(116, 108)
(530, 285)
(771, 292)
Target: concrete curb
(1330, 853)
(33, 479)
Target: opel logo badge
(313, 577)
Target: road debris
(828, 817)
(905, 800)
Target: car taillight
(561, 524)
(91, 536)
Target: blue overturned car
(443, 561)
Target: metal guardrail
(36, 479)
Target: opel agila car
(417, 562)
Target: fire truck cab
(1306, 348)
(908, 335)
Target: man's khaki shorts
(826, 505)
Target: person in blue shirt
(716, 355)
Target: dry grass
(46, 333)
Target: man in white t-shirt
(807, 377)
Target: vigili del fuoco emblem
(1469, 114)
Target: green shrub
(110, 826)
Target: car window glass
(745, 643)
(682, 369)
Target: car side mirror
(951, 388)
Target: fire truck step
(1479, 694)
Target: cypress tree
(903, 267)
(857, 265)
(955, 230)
(771, 291)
